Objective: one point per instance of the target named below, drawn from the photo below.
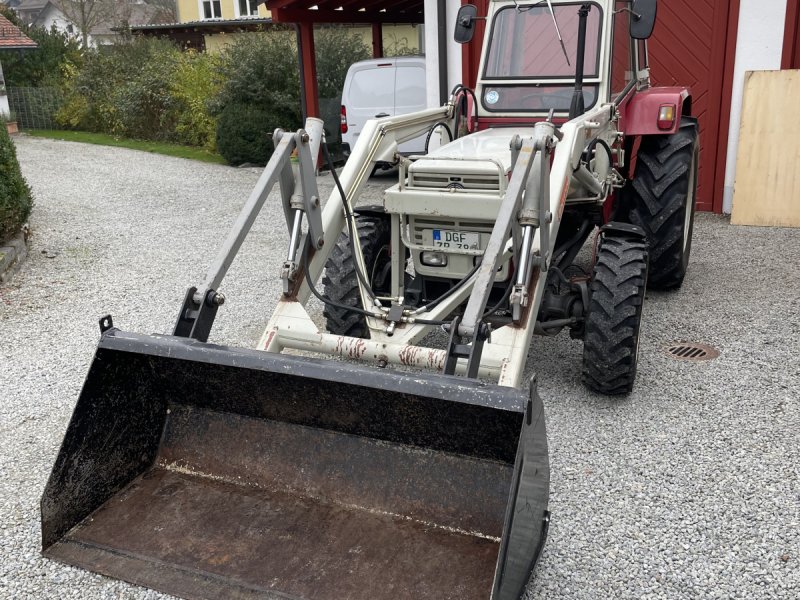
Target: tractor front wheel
(340, 279)
(616, 296)
(661, 200)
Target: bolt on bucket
(206, 471)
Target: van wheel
(340, 279)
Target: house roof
(132, 14)
(209, 25)
(12, 38)
(32, 4)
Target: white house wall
(51, 16)
(759, 47)
(432, 50)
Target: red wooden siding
(791, 37)
(689, 47)
(693, 44)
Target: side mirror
(465, 23)
(643, 18)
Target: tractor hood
(479, 148)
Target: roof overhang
(208, 26)
(346, 11)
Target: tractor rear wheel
(616, 296)
(661, 200)
(340, 279)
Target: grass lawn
(103, 139)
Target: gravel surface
(687, 488)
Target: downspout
(441, 26)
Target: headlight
(434, 259)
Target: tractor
(407, 456)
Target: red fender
(639, 115)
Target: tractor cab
(530, 59)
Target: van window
(372, 88)
(410, 88)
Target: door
(691, 45)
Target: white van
(383, 87)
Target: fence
(35, 107)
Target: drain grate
(692, 351)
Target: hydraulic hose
(359, 274)
(349, 218)
(432, 129)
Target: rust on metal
(531, 291)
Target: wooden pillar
(377, 40)
(791, 37)
(309, 74)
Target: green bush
(144, 88)
(260, 77)
(15, 195)
(196, 81)
(146, 107)
(260, 68)
(260, 92)
(244, 134)
(125, 89)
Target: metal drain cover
(692, 351)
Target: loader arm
(503, 360)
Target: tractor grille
(442, 181)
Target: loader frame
(395, 341)
(574, 164)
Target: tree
(166, 11)
(44, 66)
(87, 14)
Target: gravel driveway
(687, 488)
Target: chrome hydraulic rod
(531, 180)
(290, 264)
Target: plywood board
(767, 188)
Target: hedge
(15, 195)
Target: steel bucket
(207, 471)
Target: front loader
(385, 464)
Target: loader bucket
(213, 472)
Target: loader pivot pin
(106, 323)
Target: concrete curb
(12, 253)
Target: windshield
(524, 42)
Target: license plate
(456, 240)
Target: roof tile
(12, 37)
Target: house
(208, 25)
(46, 14)
(28, 10)
(105, 29)
(11, 38)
